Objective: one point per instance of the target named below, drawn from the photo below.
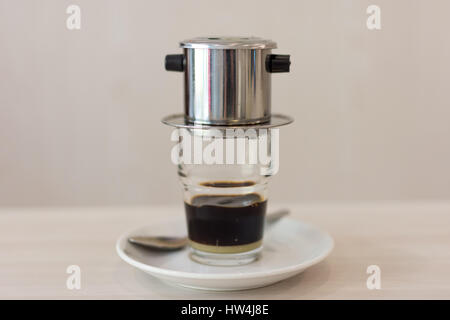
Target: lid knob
(278, 63)
(174, 62)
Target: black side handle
(174, 62)
(276, 63)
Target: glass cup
(225, 201)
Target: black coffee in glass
(228, 223)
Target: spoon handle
(276, 215)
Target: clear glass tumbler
(225, 201)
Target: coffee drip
(227, 84)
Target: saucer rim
(224, 276)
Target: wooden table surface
(409, 242)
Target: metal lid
(228, 43)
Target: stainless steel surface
(224, 86)
(228, 43)
(179, 121)
(175, 243)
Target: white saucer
(290, 247)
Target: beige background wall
(80, 110)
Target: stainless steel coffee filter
(227, 80)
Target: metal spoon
(176, 243)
